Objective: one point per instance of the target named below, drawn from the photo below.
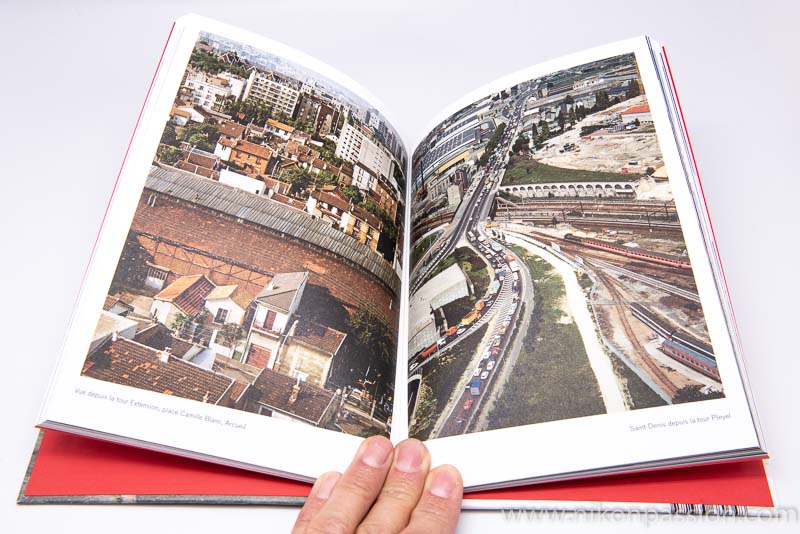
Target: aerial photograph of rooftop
(262, 268)
(550, 278)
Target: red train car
(632, 252)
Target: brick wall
(211, 236)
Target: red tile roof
(637, 109)
(159, 337)
(274, 391)
(202, 160)
(332, 199)
(247, 147)
(232, 129)
(232, 292)
(280, 125)
(317, 336)
(132, 364)
(187, 292)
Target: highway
(502, 311)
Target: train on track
(688, 357)
(631, 252)
(679, 345)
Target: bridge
(571, 189)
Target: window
(300, 374)
(221, 315)
(269, 320)
(155, 272)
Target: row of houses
(258, 169)
(282, 362)
(307, 103)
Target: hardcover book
(532, 287)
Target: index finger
(356, 489)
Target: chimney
(295, 392)
(114, 336)
(206, 396)
(163, 355)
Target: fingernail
(410, 455)
(324, 486)
(443, 483)
(375, 452)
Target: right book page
(565, 318)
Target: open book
(532, 288)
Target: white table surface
(74, 75)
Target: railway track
(658, 375)
(651, 270)
(646, 280)
(579, 222)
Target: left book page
(242, 302)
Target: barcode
(708, 509)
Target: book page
(560, 287)
(243, 300)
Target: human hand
(385, 489)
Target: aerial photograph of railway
(550, 278)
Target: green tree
(179, 322)
(693, 393)
(168, 154)
(169, 136)
(601, 101)
(201, 135)
(211, 64)
(544, 128)
(297, 177)
(632, 90)
(521, 144)
(353, 193)
(424, 415)
(230, 334)
(372, 334)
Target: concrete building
(447, 286)
(357, 146)
(275, 305)
(241, 181)
(208, 91)
(276, 92)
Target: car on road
(484, 375)
(460, 331)
(467, 404)
(490, 365)
(495, 351)
(486, 355)
(442, 342)
(477, 371)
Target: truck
(470, 318)
(470, 236)
(479, 305)
(475, 387)
(497, 247)
(513, 266)
(427, 352)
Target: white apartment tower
(276, 92)
(356, 146)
